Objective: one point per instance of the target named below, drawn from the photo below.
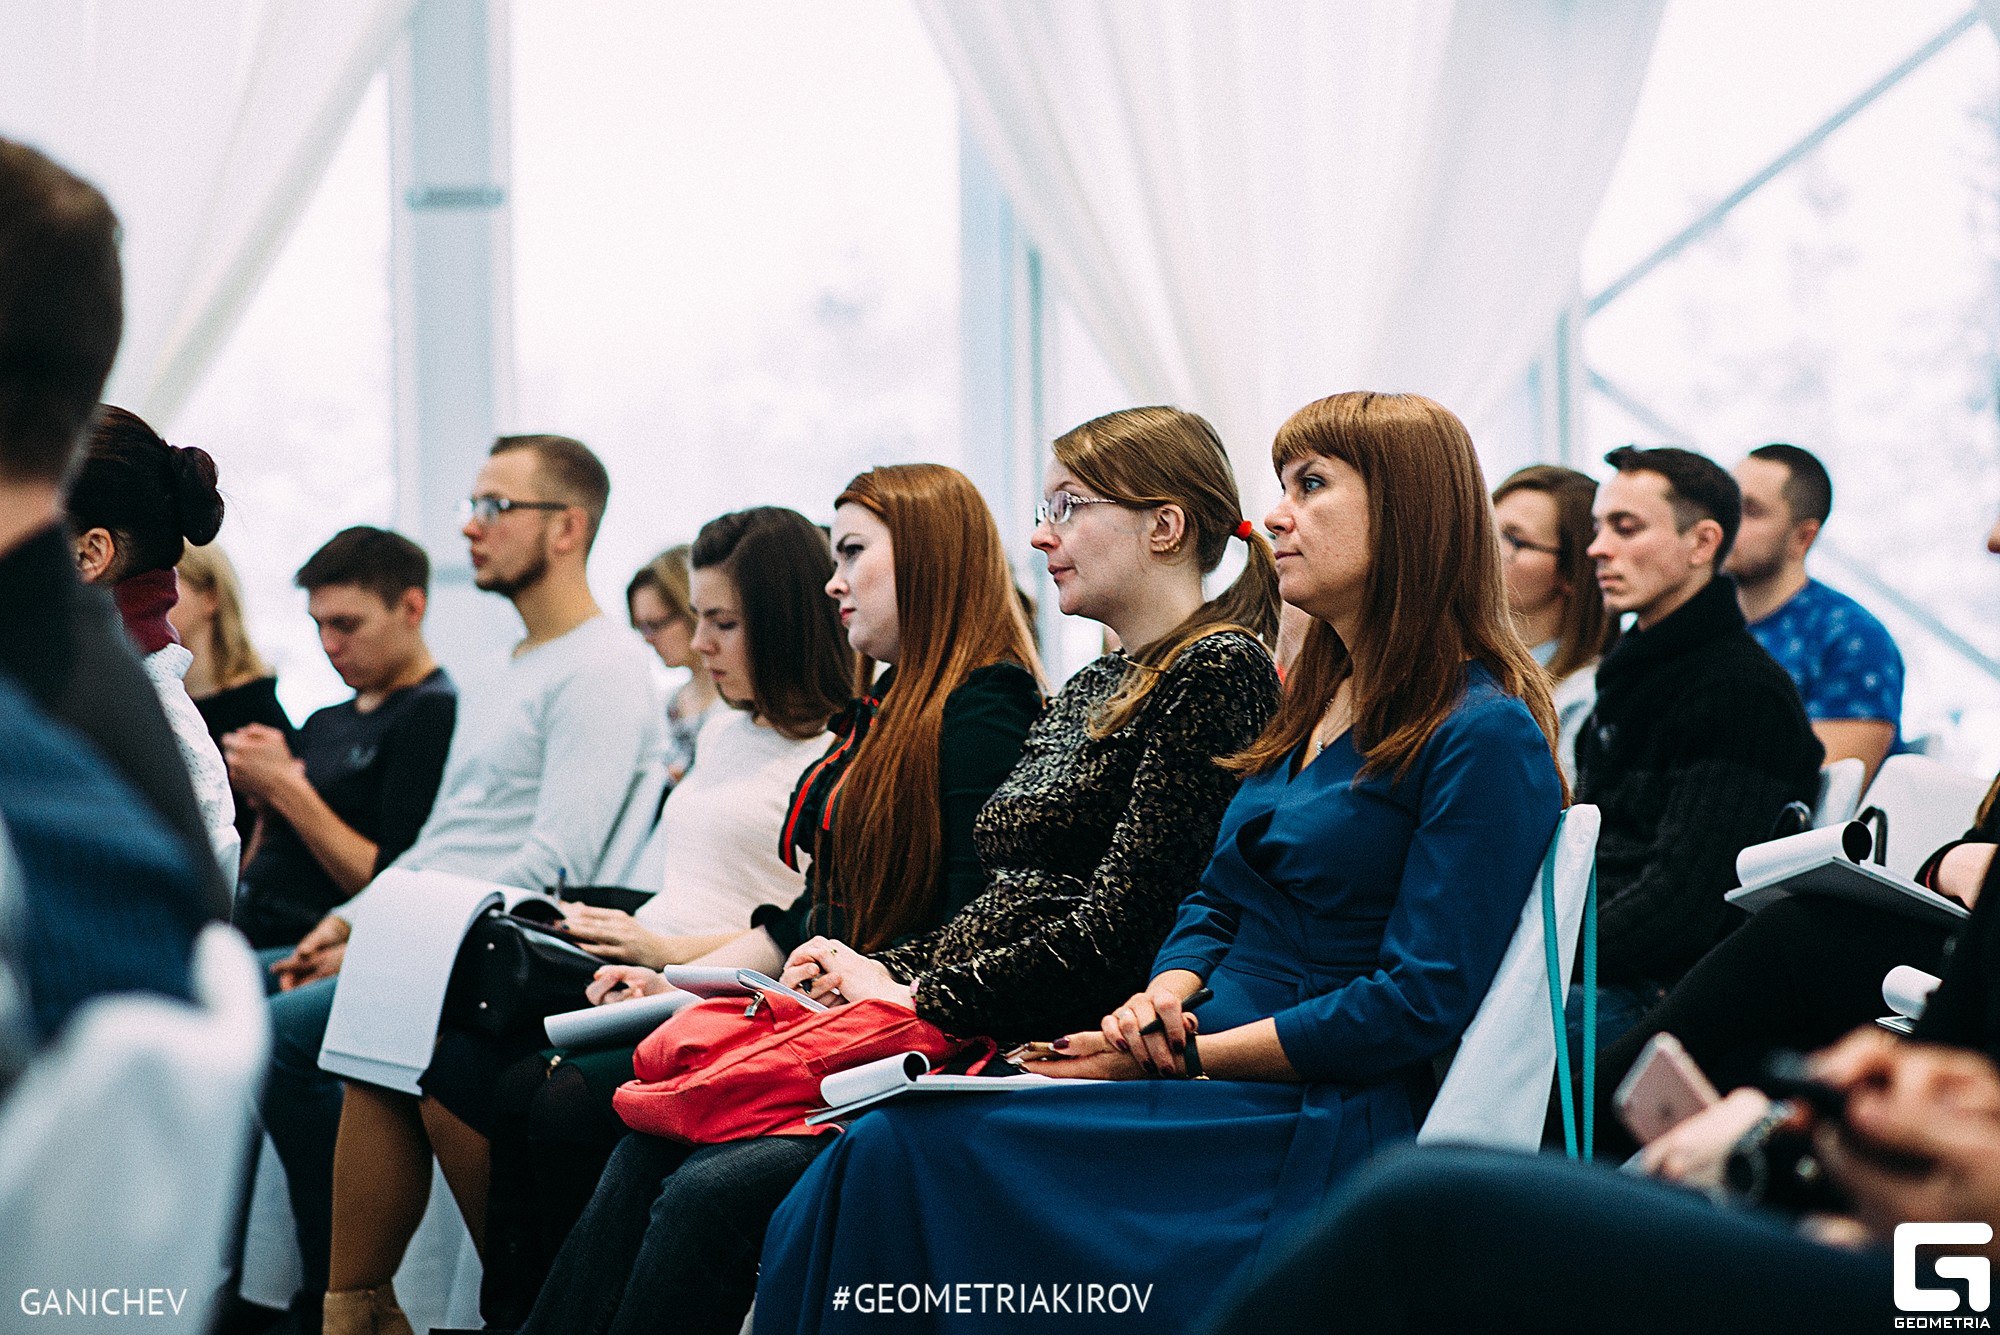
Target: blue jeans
(1484, 1240)
(302, 1115)
(1620, 1007)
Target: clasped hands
(1118, 1049)
(260, 762)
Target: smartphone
(1663, 1089)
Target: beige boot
(364, 1312)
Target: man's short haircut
(384, 563)
(1808, 487)
(1698, 488)
(573, 473)
(61, 311)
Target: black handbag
(514, 970)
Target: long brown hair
(1144, 457)
(235, 659)
(1585, 623)
(957, 611)
(1434, 595)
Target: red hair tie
(1243, 530)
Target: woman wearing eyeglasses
(1088, 848)
(657, 601)
(1367, 878)
(1543, 512)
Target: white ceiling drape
(1253, 203)
(207, 126)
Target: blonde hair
(666, 575)
(235, 659)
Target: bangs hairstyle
(1434, 595)
(666, 575)
(207, 570)
(1147, 457)
(800, 665)
(957, 611)
(1586, 626)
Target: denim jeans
(672, 1235)
(1620, 1006)
(302, 1115)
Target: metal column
(452, 255)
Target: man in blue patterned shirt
(1847, 667)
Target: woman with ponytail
(1083, 853)
(135, 505)
(1367, 879)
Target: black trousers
(1799, 974)
(671, 1238)
(1468, 1241)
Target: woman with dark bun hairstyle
(135, 505)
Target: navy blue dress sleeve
(1489, 805)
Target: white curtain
(207, 125)
(1254, 203)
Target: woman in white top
(1543, 513)
(774, 648)
(134, 506)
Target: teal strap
(1552, 949)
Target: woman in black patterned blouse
(1108, 819)
(1089, 845)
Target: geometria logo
(1976, 1271)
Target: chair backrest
(1839, 792)
(1926, 804)
(1497, 1090)
(626, 861)
(123, 1145)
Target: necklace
(1333, 721)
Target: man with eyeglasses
(542, 764)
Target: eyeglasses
(486, 509)
(651, 626)
(1516, 545)
(1060, 508)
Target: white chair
(631, 857)
(1839, 792)
(1925, 805)
(1497, 1090)
(122, 1147)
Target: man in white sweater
(542, 765)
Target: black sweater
(1696, 743)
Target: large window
(296, 409)
(1851, 306)
(736, 252)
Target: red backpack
(725, 1070)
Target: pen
(1202, 995)
(1190, 1054)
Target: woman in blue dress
(1366, 881)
